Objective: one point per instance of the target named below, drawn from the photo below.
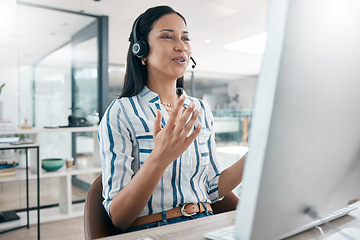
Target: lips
(180, 60)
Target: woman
(157, 144)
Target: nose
(180, 46)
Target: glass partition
(116, 80)
(51, 89)
(60, 78)
(50, 62)
(231, 100)
(85, 71)
(47, 79)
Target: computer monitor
(304, 145)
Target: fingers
(193, 135)
(157, 123)
(190, 124)
(176, 110)
(185, 125)
(185, 116)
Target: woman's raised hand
(171, 141)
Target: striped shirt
(126, 140)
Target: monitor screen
(304, 145)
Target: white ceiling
(221, 21)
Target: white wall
(9, 59)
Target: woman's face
(169, 47)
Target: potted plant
(1, 104)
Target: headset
(140, 48)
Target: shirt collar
(153, 97)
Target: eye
(166, 37)
(186, 39)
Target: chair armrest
(228, 203)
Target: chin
(180, 73)
(179, 76)
(174, 73)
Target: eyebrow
(170, 30)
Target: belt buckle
(182, 210)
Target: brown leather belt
(185, 210)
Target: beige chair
(97, 223)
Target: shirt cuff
(214, 190)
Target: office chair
(228, 203)
(97, 223)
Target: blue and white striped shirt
(126, 140)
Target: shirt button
(183, 183)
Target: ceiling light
(253, 45)
(207, 41)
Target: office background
(61, 58)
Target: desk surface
(195, 229)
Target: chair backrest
(97, 223)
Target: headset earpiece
(140, 48)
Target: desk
(195, 229)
